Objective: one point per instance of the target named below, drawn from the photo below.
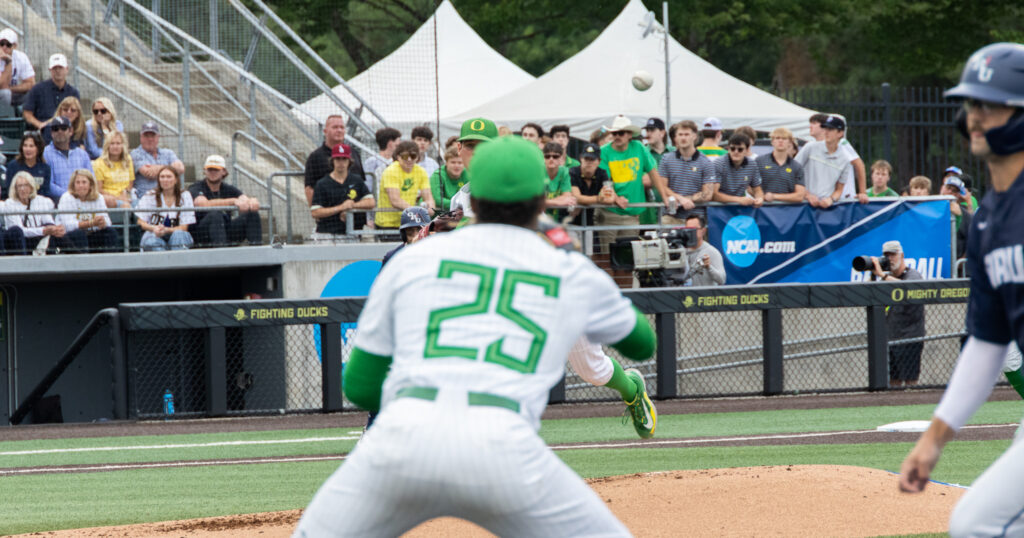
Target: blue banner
(799, 243)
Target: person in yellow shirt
(114, 171)
(403, 184)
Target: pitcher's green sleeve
(364, 376)
(640, 343)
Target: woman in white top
(89, 228)
(33, 229)
(167, 226)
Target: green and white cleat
(641, 410)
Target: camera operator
(903, 320)
(706, 265)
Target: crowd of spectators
(70, 170)
(682, 166)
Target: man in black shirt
(587, 182)
(335, 194)
(217, 228)
(318, 164)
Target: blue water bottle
(168, 402)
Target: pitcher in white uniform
(461, 339)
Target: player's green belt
(475, 398)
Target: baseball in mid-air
(642, 80)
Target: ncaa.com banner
(798, 243)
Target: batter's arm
(640, 343)
(364, 377)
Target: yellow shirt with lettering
(409, 185)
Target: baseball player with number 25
(992, 90)
(462, 336)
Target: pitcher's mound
(798, 500)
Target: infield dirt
(798, 500)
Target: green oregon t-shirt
(627, 169)
(559, 184)
(887, 192)
(451, 186)
(570, 162)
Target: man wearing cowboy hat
(632, 169)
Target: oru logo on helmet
(742, 241)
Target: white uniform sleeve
(976, 372)
(375, 330)
(610, 316)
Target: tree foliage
(768, 43)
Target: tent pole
(668, 84)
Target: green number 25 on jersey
(511, 282)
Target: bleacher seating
(12, 126)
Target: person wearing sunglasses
(737, 174)
(17, 76)
(62, 158)
(403, 184)
(103, 122)
(559, 187)
(40, 106)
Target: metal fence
(912, 128)
(271, 356)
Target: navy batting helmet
(995, 74)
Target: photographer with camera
(903, 320)
(706, 265)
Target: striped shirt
(734, 181)
(779, 179)
(686, 176)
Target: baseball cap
(953, 170)
(341, 151)
(9, 35)
(655, 123)
(712, 124)
(893, 247)
(958, 183)
(60, 121)
(150, 127)
(478, 129)
(590, 151)
(834, 122)
(509, 169)
(58, 60)
(215, 161)
(414, 216)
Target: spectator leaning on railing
(149, 158)
(856, 188)
(403, 184)
(62, 158)
(336, 194)
(89, 229)
(826, 166)
(219, 228)
(17, 76)
(736, 173)
(782, 178)
(558, 185)
(387, 139)
(689, 173)
(590, 184)
(40, 105)
(29, 159)
(448, 179)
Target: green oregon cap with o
(478, 129)
(507, 169)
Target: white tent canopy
(589, 89)
(404, 86)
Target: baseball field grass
(38, 502)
